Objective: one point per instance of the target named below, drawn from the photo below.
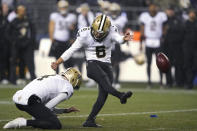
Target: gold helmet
(63, 6)
(83, 8)
(139, 59)
(100, 27)
(73, 76)
(115, 10)
(104, 6)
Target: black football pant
(44, 118)
(25, 53)
(149, 53)
(102, 73)
(59, 48)
(117, 57)
(4, 59)
(190, 66)
(174, 52)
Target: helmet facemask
(99, 36)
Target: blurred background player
(38, 12)
(21, 67)
(151, 29)
(104, 7)
(85, 19)
(190, 49)
(4, 45)
(97, 43)
(61, 25)
(172, 47)
(40, 97)
(22, 33)
(119, 19)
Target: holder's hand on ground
(71, 109)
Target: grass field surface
(172, 110)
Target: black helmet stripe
(102, 23)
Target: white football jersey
(62, 24)
(12, 16)
(82, 21)
(94, 50)
(46, 87)
(120, 21)
(153, 25)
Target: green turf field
(176, 110)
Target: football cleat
(125, 96)
(91, 123)
(16, 123)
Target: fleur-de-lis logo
(23, 31)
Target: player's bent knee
(57, 124)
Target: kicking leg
(95, 72)
(103, 76)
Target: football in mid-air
(162, 62)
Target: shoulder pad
(54, 14)
(72, 14)
(144, 13)
(82, 31)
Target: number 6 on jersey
(100, 51)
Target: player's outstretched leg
(101, 73)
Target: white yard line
(125, 89)
(162, 129)
(123, 114)
(5, 120)
(135, 113)
(6, 103)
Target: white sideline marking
(134, 113)
(122, 114)
(6, 102)
(161, 129)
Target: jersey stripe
(103, 19)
